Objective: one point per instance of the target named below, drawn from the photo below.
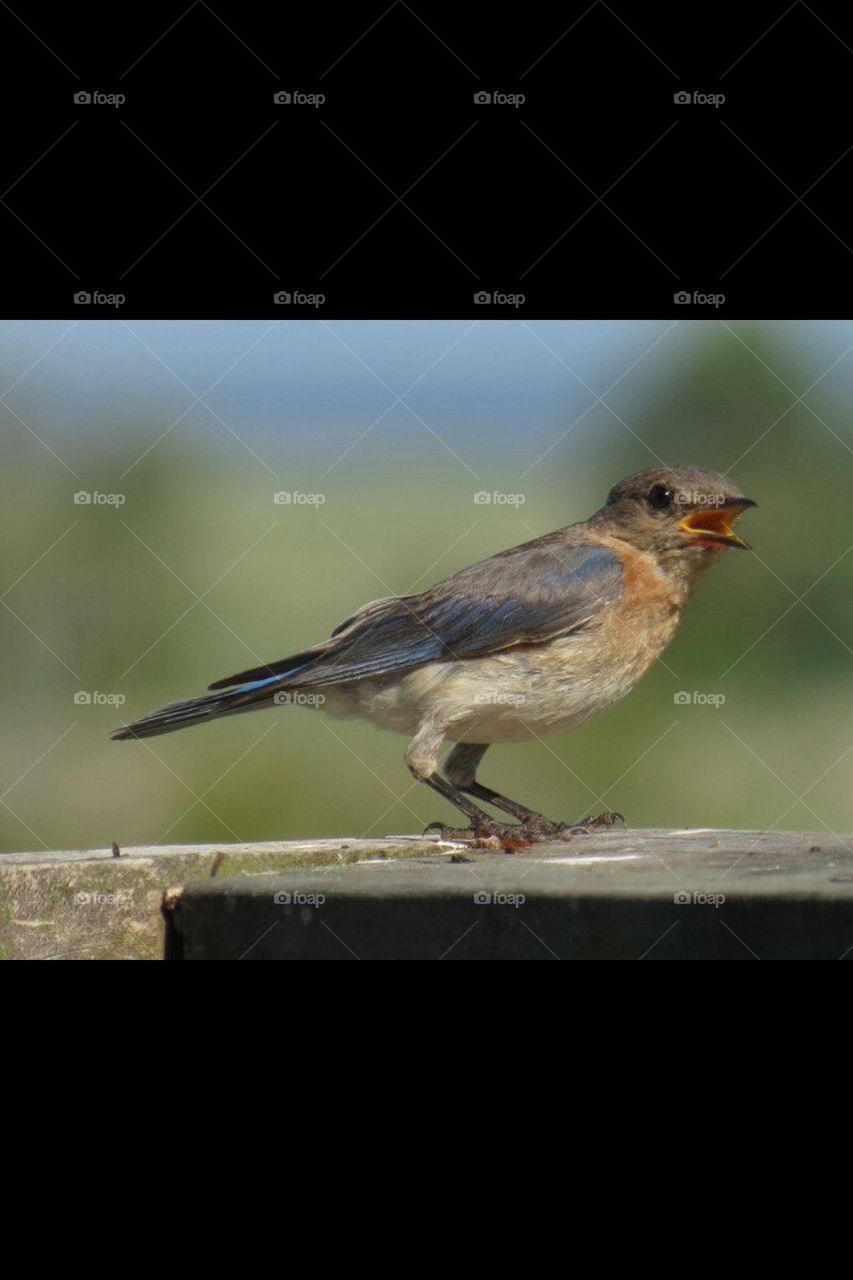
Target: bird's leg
(527, 817)
(536, 824)
(461, 766)
(481, 824)
(422, 759)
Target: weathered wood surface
(613, 895)
(89, 905)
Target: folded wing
(528, 595)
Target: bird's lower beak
(714, 527)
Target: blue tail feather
(180, 715)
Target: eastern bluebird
(531, 642)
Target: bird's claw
(508, 835)
(494, 832)
(595, 823)
(503, 835)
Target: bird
(531, 642)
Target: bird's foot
(596, 823)
(509, 836)
(540, 829)
(486, 835)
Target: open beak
(715, 525)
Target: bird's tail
(180, 715)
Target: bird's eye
(660, 497)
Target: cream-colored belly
(509, 697)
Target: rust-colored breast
(645, 618)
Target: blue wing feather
(528, 595)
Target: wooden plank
(88, 904)
(625, 895)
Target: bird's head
(681, 514)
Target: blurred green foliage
(199, 574)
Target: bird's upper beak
(714, 526)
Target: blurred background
(144, 554)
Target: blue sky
(319, 384)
